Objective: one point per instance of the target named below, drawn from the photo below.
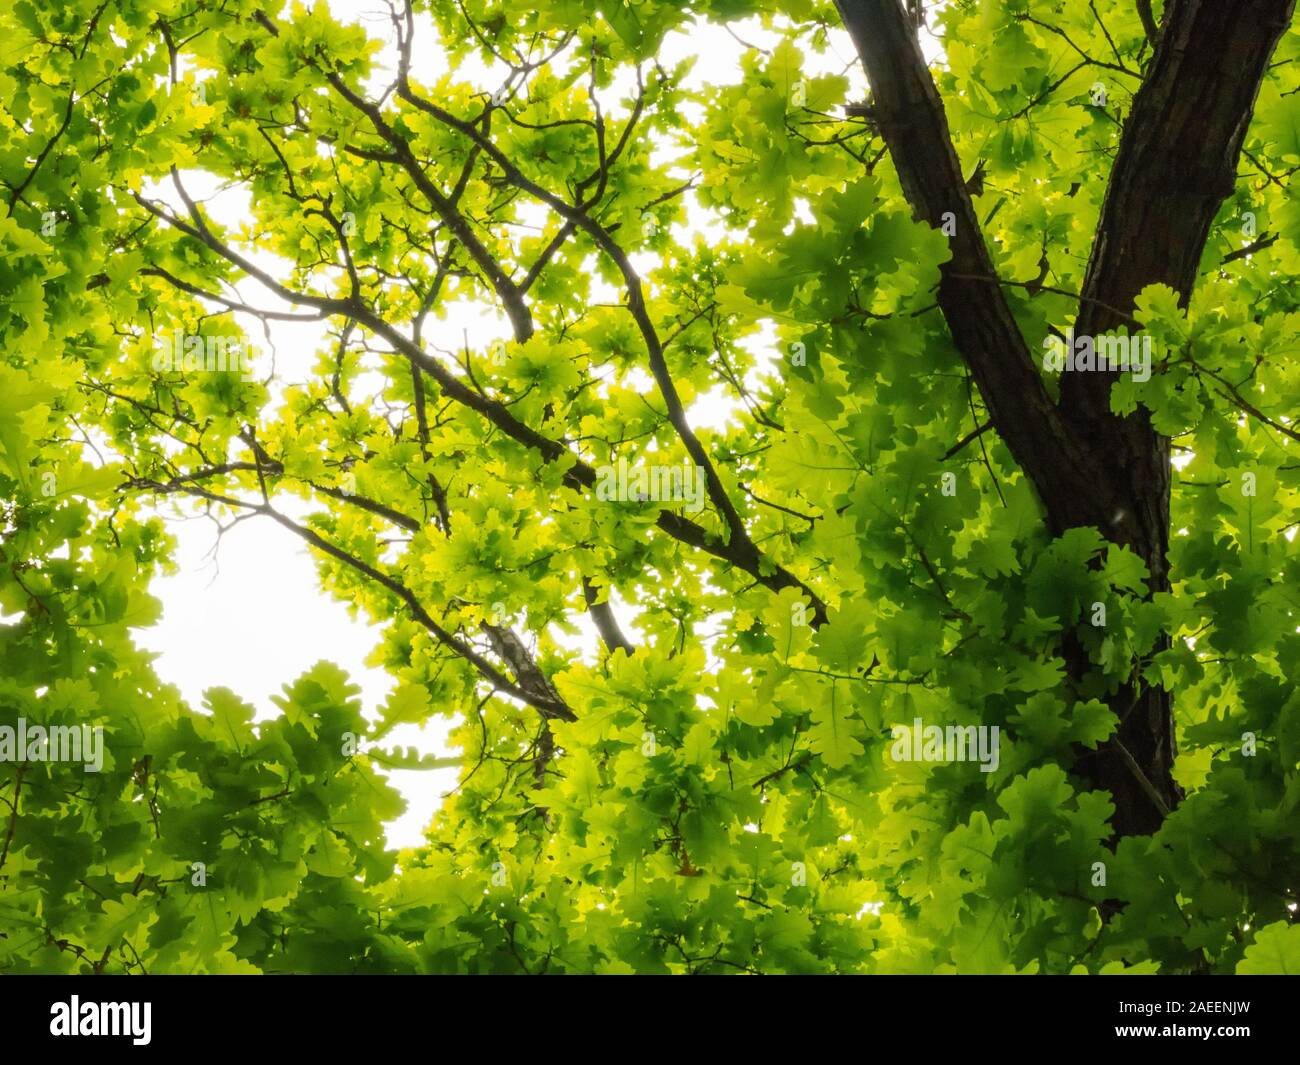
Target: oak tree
(997, 300)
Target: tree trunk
(1176, 164)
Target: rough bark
(1176, 164)
(909, 114)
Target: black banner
(992, 1014)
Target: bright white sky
(251, 617)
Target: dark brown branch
(979, 430)
(1250, 249)
(738, 537)
(1160, 202)
(550, 704)
(1149, 25)
(1072, 483)
(580, 476)
(606, 623)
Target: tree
(957, 647)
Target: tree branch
(1073, 484)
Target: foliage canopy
(710, 787)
